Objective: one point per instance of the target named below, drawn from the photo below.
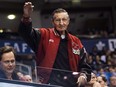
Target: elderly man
(55, 48)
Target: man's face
(61, 21)
(8, 62)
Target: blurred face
(61, 21)
(8, 62)
(113, 80)
(93, 78)
(28, 78)
(100, 80)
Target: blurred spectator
(98, 62)
(102, 80)
(113, 55)
(90, 61)
(104, 33)
(28, 78)
(94, 51)
(109, 60)
(112, 81)
(93, 81)
(103, 72)
(103, 53)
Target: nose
(61, 22)
(10, 63)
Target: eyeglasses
(9, 61)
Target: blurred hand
(26, 78)
(21, 76)
(28, 8)
(82, 80)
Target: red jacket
(48, 48)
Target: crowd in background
(103, 64)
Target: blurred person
(28, 78)
(55, 48)
(94, 51)
(103, 72)
(93, 81)
(112, 81)
(109, 60)
(112, 70)
(7, 63)
(102, 80)
(90, 61)
(98, 62)
(113, 54)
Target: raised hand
(28, 8)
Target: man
(7, 63)
(55, 48)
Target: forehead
(93, 74)
(99, 78)
(8, 56)
(113, 78)
(61, 15)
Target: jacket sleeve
(84, 67)
(29, 35)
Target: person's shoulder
(73, 36)
(46, 29)
(2, 74)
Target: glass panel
(45, 77)
(56, 77)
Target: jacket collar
(56, 32)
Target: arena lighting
(11, 17)
(1, 30)
(76, 1)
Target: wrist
(26, 16)
(26, 19)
